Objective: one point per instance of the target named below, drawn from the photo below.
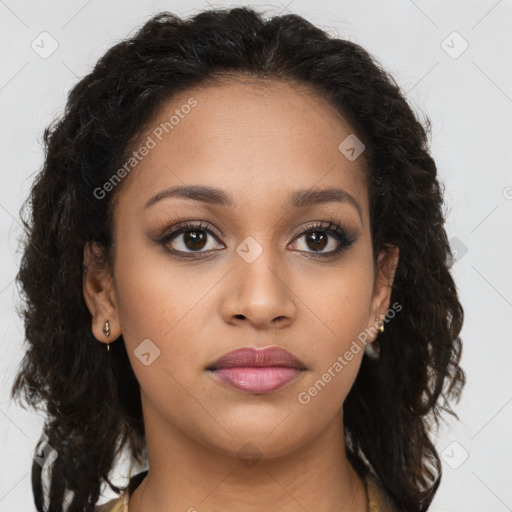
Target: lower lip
(257, 379)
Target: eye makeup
(195, 232)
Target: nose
(260, 293)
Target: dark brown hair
(91, 396)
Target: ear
(99, 294)
(386, 268)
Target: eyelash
(334, 227)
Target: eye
(317, 237)
(189, 237)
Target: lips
(256, 370)
(257, 357)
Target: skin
(257, 142)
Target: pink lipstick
(257, 370)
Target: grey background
(468, 97)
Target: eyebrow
(296, 199)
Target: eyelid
(173, 223)
(333, 224)
(175, 220)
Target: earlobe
(99, 294)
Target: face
(255, 264)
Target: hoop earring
(106, 331)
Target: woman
(236, 269)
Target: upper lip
(258, 357)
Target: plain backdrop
(451, 58)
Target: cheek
(342, 306)
(161, 301)
(338, 358)
(152, 293)
(338, 315)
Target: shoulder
(378, 498)
(120, 504)
(115, 505)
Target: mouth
(257, 370)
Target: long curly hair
(91, 397)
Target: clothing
(378, 499)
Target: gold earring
(381, 328)
(106, 331)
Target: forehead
(250, 137)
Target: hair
(92, 397)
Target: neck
(187, 475)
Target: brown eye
(319, 237)
(318, 240)
(189, 238)
(194, 240)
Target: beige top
(378, 499)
